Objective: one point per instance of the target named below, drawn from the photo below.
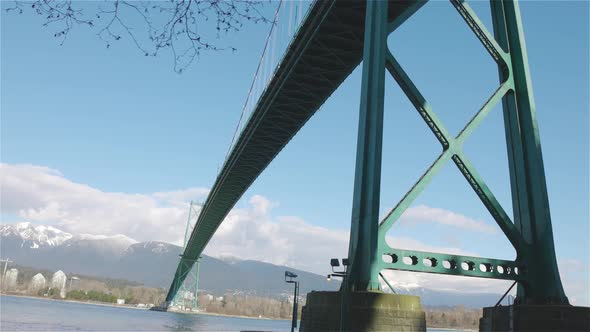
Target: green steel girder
(430, 262)
(530, 233)
(362, 253)
(452, 149)
(525, 159)
(452, 146)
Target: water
(27, 314)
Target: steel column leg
(196, 302)
(527, 174)
(364, 264)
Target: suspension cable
(260, 65)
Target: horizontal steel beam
(458, 265)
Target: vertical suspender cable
(256, 75)
(290, 16)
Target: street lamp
(289, 278)
(334, 262)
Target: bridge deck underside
(326, 49)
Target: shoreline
(125, 306)
(102, 304)
(223, 315)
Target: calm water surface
(26, 314)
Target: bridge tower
(333, 38)
(186, 292)
(541, 303)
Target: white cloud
(423, 213)
(36, 193)
(575, 276)
(253, 233)
(41, 194)
(409, 280)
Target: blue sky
(120, 122)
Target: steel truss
(535, 267)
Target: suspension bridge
(310, 50)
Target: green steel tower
(187, 292)
(335, 36)
(535, 267)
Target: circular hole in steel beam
(468, 266)
(449, 264)
(410, 260)
(430, 262)
(486, 267)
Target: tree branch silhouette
(186, 27)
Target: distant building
(58, 281)
(38, 282)
(188, 295)
(10, 279)
(120, 301)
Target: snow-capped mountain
(120, 237)
(229, 259)
(42, 236)
(35, 236)
(155, 247)
(47, 247)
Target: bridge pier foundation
(367, 311)
(535, 318)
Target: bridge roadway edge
(324, 52)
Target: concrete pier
(535, 318)
(368, 312)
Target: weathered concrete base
(369, 311)
(524, 318)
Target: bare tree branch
(186, 27)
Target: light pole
(289, 278)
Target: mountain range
(153, 263)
